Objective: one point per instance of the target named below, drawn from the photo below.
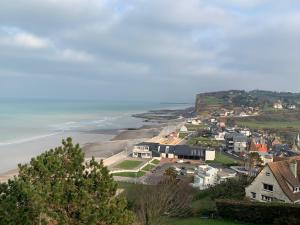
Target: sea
(30, 126)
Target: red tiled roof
(262, 147)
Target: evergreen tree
(59, 187)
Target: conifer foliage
(59, 187)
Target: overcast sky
(161, 50)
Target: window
(253, 195)
(268, 187)
(268, 174)
(266, 198)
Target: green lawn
(204, 141)
(148, 167)
(198, 221)
(130, 174)
(192, 127)
(155, 161)
(223, 159)
(210, 100)
(128, 186)
(269, 124)
(129, 164)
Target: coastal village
(224, 160)
(210, 152)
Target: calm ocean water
(27, 120)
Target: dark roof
(182, 150)
(237, 137)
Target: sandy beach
(100, 144)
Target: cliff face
(200, 104)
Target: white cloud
(203, 44)
(23, 39)
(73, 55)
(30, 41)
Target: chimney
(293, 167)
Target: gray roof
(236, 137)
(182, 150)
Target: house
(266, 158)
(277, 105)
(207, 176)
(236, 142)
(291, 107)
(276, 141)
(243, 114)
(245, 132)
(258, 147)
(185, 152)
(196, 122)
(183, 129)
(220, 136)
(282, 150)
(277, 182)
(144, 150)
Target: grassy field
(130, 174)
(155, 161)
(210, 100)
(204, 141)
(192, 127)
(269, 124)
(198, 221)
(223, 159)
(148, 167)
(129, 164)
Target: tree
(254, 160)
(230, 189)
(58, 187)
(171, 173)
(169, 198)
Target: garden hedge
(258, 213)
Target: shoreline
(104, 144)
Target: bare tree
(169, 198)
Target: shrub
(259, 213)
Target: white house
(277, 105)
(246, 132)
(141, 151)
(278, 181)
(210, 155)
(207, 176)
(291, 107)
(196, 122)
(220, 136)
(183, 129)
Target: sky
(154, 50)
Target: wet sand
(100, 144)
